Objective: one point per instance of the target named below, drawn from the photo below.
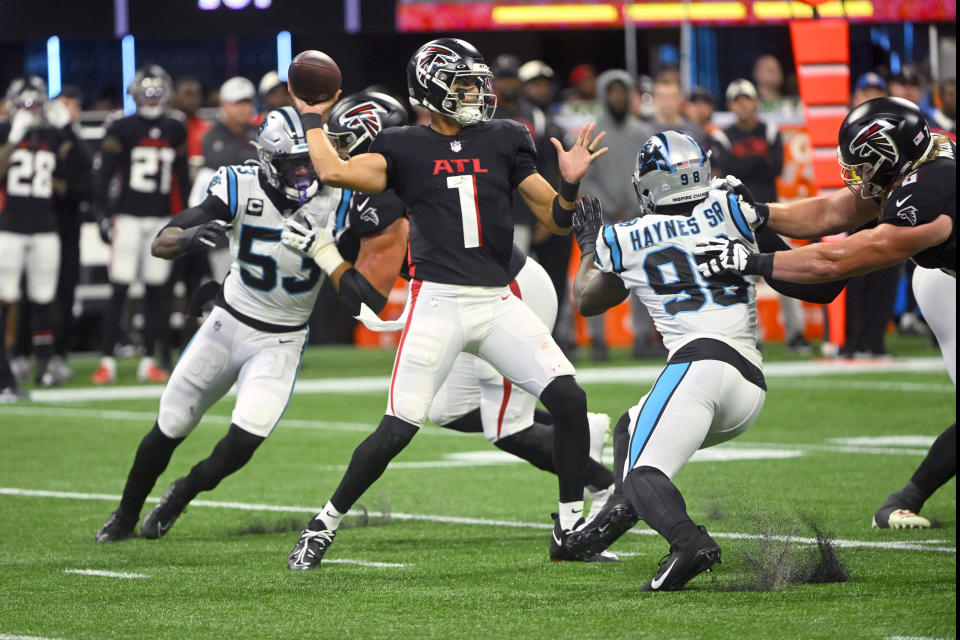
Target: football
(313, 76)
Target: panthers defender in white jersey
(712, 388)
(257, 331)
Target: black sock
(658, 501)
(6, 374)
(936, 469)
(151, 459)
(230, 454)
(43, 317)
(567, 403)
(370, 460)
(468, 423)
(113, 317)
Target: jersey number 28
(31, 173)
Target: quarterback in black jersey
(901, 174)
(146, 154)
(371, 233)
(457, 177)
(34, 153)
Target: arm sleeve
(354, 289)
(210, 209)
(822, 293)
(223, 187)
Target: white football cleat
(899, 519)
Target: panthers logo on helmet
(874, 140)
(365, 115)
(428, 57)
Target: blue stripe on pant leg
(653, 408)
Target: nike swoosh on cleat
(656, 582)
(557, 540)
(600, 530)
(162, 529)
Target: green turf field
(436, 557)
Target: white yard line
(365, 563)
(612, 375)
(243, 506)
(4, 636)
(105, 574)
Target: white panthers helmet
(671, 170)
(283, 156)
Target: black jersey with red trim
(147, 156)
(360, 215)
(922, 197)
(26, 192)
(459, 193)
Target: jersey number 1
(466, 186)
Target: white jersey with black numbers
(269, 281)
(654, 257)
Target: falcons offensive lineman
(257, 331)
(900, 173)
(457, 177)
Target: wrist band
(763, 210)
(311, 121)
(562, 217)
(760, 264)
(569, 191)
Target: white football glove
(723, 254)
(308, 238)
(20, 125)
(57, 114)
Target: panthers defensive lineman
(905, 176)
(457, 177)
(712, 388)
(142, 157)
(257, 331)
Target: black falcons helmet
(439, 65)
(26, 93)
(881, 140)
(357, 119)
(151, 89)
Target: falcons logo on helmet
(873, 140)
(365, 115)
(429, 56)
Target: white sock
(330, 516)
(570, 512)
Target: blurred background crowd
(732, 87)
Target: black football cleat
(567, 545)
(161, 518)
(686, 561)
(311, 547)
(612, 521)
(117, 527)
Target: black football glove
(204, 236)
(587, 220)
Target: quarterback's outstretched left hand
(722, 254)
(574, 163)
